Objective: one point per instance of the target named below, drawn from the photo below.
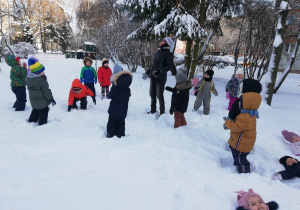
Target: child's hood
(117, 68)
(76, 83)
(123, 79)
(184, 85)
(251, 101)
(33, 80)
(11, 60)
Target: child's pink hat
(242, 198)
(288, 135)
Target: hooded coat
(104, 74)
(17, 73)
(83, 93)
(40, 95)
(180, 96)
(119, 95)
(233, 87)
(243, 129)
(88, 73)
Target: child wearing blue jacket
(119, 95)
(88, 74)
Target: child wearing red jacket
(79, 92)
(104, 73)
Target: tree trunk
(187, 58)
(194, 60)
(289, 67)
(276, 52)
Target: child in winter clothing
(293, 139)
(204, 87)
(180, 98)
(243, 126)
(17, 76)
(118, 106)
(88, 74)
(40, 95)
(117, 69)
(292, 169)
(79, 92)
(104, 73)
(232, 87)
(253, 201)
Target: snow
(283, 5)
(69, 164)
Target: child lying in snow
(252, 201)
(292, 169)
(292, 139)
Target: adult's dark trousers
(20, 93)
(91, 86)
(39, 115)
(240, 161)
(115, 127)
(83, 103)
(157, 88)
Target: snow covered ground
(69, 164)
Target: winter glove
(156, 73)
(169, 89)
(94, 99)
(145, 75)
(69, 108)
(81, 80)
(277, 176)
(53, 103)
(225, 128)
(227, 95)
(24, 65)
(171, 110)
(216, 93)
(95, 80)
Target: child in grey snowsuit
(204, 87)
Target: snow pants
(20, 93)
(83, 103)
(39, 115)
(240, 161)
(91, 86)
(179, 119)
(205, 101)
(157, 88)
(115, 127)
(104, 89)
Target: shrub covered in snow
(22, 49)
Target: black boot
(162, 110)
(153, 110)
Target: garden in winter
(115, 113)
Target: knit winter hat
(170, 42)
(18, 59)
(210, 73)
(288, 135)
(250, 85)
(180, 77)
(117, 68)
(239, 71)
(242, 198)
(104, 61)
(284, 159)
(34, 66)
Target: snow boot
(153, 110)
(162, 110)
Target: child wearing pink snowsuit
(232, 87)
(292, 139)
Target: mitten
(94, 99)
(227, 95)
(24, 65)
(169, 89)
(69, 108)
(277, 176)
(53, 103)
(95, 80)
(225, 128)
(171, 110)
(81, 80)
(156, 73)
(145, 75)
(216, 93)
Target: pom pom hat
(17, 59)
(242, 198)
(35, 66)
(288, 135)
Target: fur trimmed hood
(87, 58)
(184, 85)
(123, 79)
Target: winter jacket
(291, 171)
(104, 75)
(83, 93)
(88, 74)
(119, 95)
(163, 61)
(40, 95)
(233, 87)
(180, 96)
(243, 128)
(204, 89)
(295, 146)
(17, 73)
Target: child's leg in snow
(206, 106)
(178, 119)
(83, 103)
(240, 160)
